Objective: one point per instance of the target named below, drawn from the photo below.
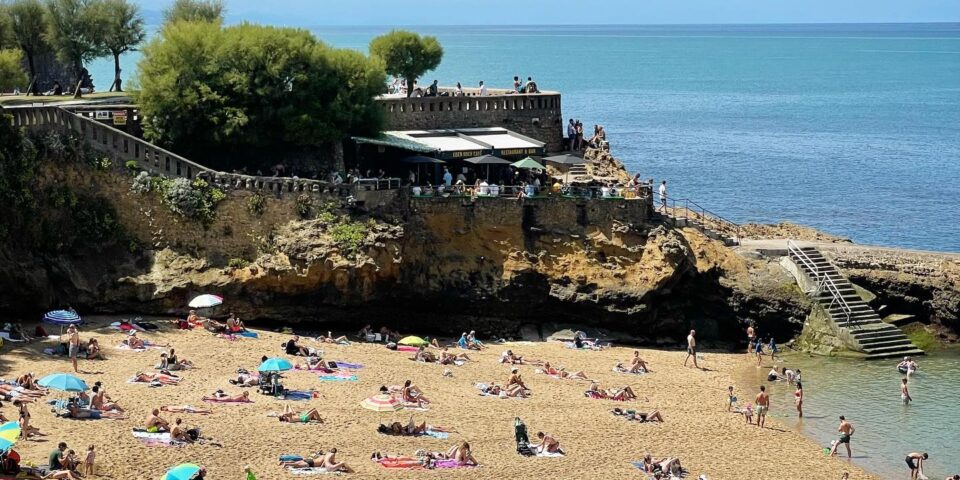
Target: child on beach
(731, 399)
(748, 413)
(88, 462)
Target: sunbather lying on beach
(447, 358)
(509, 357)
(653, 416)
(74, 411)
(513, 391)
(307, 416)
(245, 380)
(622, 394)
(423, 355)
(313, 362)
(563, 373)
(410, 429)
(163, 378)
(664, 465)
(214, 326)
(185, 409)
(155, 423)
(330, 339)
(326, 461)
(219, 396)
(10, 393)
(61, 475)
(169, 361)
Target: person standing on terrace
(483, 89)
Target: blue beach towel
(437, 435)
(290, 458)
(298, 395)
(334, 378)
(248, 334)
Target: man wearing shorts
(763, 406)
(74, 345)
(691, 349)
(846, 431)
(915, 462)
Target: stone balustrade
(124, 147)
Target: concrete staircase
(847, 310)
(715, 228)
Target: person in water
(846, 431)
(915, 462)
(905, 393)
(798, 399)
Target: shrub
(349, 237)
(195, 200)
(256, 204)
(238, 263)
(304, 202)
(141, 183)
(132, 165)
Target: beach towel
(298, 395)
(437, 435)
(546, 454)
(157, 439)
(451, 464)
(229, 402)
(248, 334)
(628, 372)
(406, 462)
(348, 366)
(228, 336)
(310, 471)
(153, 384)
(146, 346)
(337, 378)
(415, 407)
(407, 348)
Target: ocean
(851, 129)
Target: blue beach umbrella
(184, 471)
(62, 317)
(275, 365)
(63, 382)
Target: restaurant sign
(466, 153)
(120, 117)
(520, 151)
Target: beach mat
(157, 439)
(347, 365)
(337, 378)
(248, 334)
(226, 402)
(311, 471)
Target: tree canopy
(407, 54)
(210, 90)
(75, 32)
(11, 73)
(123, 30)
(194, 11)
(28, 29)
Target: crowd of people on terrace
(522, 183)
(398, 86)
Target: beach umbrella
(275, 365)
(9, 434)
(63, 382)
(487, 160)
(528, 163)
(62, 317)
(412, 340)
(565, 159)
(205, 301)
(421, 159)
(184, 471)
(381, 403)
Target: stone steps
(874, 337)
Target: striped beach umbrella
(381, 403)
(205, 301)
(62, 317)
(9, 434)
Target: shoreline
(697, 429)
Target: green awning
(390, 140)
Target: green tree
(5, 27)
(28, 28)
(75, 32)
(407, 54)
(123, 31)
(243, 89)
(11, 71)
(194, 11)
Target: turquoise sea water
(868, 395)
(853, 129)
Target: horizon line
(951, 22)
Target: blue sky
(549, 12)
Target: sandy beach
(698, 430)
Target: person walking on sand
(915, 462)
(846, 431)
(763, 406)
(905, 393)
(731, 398)
(751, 334)
(691, 349)
(798, 398)
(73, 345)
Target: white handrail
(822, 279)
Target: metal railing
(641, 192)
(822, 279)
(680, 209)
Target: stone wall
(535, 115)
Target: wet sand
(698, 430)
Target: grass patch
(920, 337)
